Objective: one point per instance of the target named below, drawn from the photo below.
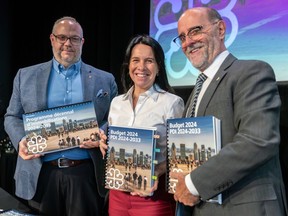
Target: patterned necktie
(199, 82)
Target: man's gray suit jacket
(244, 96)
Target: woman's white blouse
(152, 110)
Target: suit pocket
(102, 105)
(257, 193)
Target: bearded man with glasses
(75, 187)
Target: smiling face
(201, 51)
(142, 67)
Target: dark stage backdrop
(107, 25)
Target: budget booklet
(190, 143)
(60, 128)
(130, 159)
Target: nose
(68, 39)
(187, 42)
(141, 65)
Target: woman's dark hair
(161, 79)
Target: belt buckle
(59, 163)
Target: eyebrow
(195, 27)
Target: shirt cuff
(190, 185)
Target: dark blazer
(30, 94)
(244, 96)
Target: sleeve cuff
(190, 185)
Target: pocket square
(101, 93)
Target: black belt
(65, 162)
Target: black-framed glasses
(75, 40)
(193, 33)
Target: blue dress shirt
(65, 87)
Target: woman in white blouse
(148, 101)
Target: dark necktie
(199, 82)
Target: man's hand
(182, 193)
(23, 151)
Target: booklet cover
(191, 142)
(14, 212)
(130, 159)
(60, 128)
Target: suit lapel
(214, 84)
(42, 84)
(88, 82)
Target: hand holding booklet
(60, 128)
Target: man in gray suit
(77, 189)
(244, 96)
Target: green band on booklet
(154, 177)
(155, 161)
(157, 150)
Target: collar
(60, 69)
(152, 92)
(214, 67)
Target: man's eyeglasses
(75, 40)
(193, 33)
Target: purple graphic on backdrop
(255, 30)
